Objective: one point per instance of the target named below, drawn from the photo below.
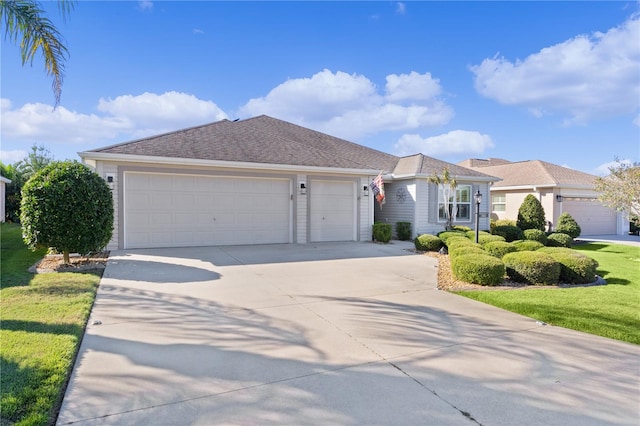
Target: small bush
(535, 235)
(527, 245)
(382, 232)
(568, 225)
(531, 214)
(500, 222)
(461, 228)
(445, 235)
(428, 242)
(559, 240)
(575, 267)
(488, 238)
(508, 232)
(403, 230)
(462, 250)
(499, 248)
(532, 267)
(478, 269)
(472, 234)
(460, 242)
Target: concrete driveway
(350, 333)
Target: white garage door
(333, 210)
(591, 215)
(163, 210)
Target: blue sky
(553, 81)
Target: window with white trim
(498, 202)
(459, 203)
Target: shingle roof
(260, 139)
(536, 172)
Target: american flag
(377, 186)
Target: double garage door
(591, 215)
(175, 210)
(164, 210)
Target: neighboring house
(263, 180)
(558, 188)
(3, 197)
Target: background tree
(19, 173)
(568, 225)
(448, 185)
(620, 190)
(25, 23)
(68, 207)
(531, 214)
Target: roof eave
(129, 158)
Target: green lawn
(42, 322)
(611, 311)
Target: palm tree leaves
(25, 22)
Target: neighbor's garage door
(333, 210)
(163, 210)
(591, 215)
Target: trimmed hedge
(403, 230)
(428, 242)
(499, 248)
(535, 235)
(532, 267)
(472, 234)
(462, 250)
(575, 267)
(382, 232)
(568, 225)
(461, 228)
(509, 232)
(445, 235)
(558, 239)
(527, 245)
(484, 239)
(478, 269)
(456, 242)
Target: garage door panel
(175, 210)
(333, 211)
(592, 216)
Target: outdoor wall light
(365, 190)
(110, 181)
(303, 188)
(559, 198)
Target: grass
(42, 323)
(611, 311)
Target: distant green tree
(620, 190)
(68, 207)
(25, 23)
(531, 214)
(37, 159)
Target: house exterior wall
(400, 205)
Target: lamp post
(478, 198)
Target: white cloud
(455, 142)
(12, 156)
(637, 120)
(145, 5)
(401, 8)
(198, 31)
(350, 105)
(603, 169)
(126, 116)
(584, 78)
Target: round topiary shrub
(472, 234)
(508, 232)
(531, 214)
(484, 239)
(559, 240)
(445, 235)
(532, 267)
(568, 225)
(500, 222)
(382, 232)
(535, 235)
(499, 248)
(527, 245)
(428, 242)
(403, 230)
(455, 242)
(461, 228)
(478, 269)
(67, 207)
(575, 267)
(462, 250)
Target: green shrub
(508, 232)
(461, 228)
(462, 250)
(559, 240)
(500, 222)
(532, 267)
(454, 242)
(575, 267)
(499, 248)
(403, 230)
(531, 214)
(428, 242)
(382, 232)
(445, 235)
(535, 235)
(68, 207)
(527, 245)
(488, 238)
(478, 269)
(472, 234)
(568, 225)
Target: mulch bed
(77, 263)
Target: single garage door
(333, 210)
(165, 210)
(591, 215)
